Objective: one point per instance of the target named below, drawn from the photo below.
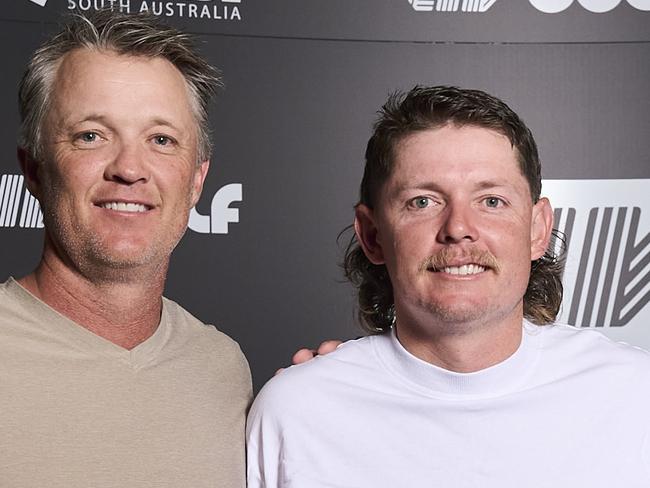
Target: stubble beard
(458, 319)
(87, 251)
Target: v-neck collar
(61, 325)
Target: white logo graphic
(11, 191)
(191, 9)
(220, 212)
(39, 2)
(607, 228)
(597, 6)
(451, 5)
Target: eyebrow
(104, 119)
(94, 117)
(433, 186)
(166, 123)
(489, 184)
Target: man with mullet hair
(465, 379)
(103, 382)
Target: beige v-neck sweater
(78, 411)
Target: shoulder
(593, 342)
(348, 358)
(5, 285)
(323, 376)
(589, 350)
(180, 317)
(7, 296)
(13, 296)
(204, 338)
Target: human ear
(541, 228)
(30, 168)
(367, 234)
(200, 172)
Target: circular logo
(597, 6)
(640, 4)
(551, 6)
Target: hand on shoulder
(305, 354)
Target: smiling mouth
(125, 207)
(465, 269)
(468, 263)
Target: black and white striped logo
(18, 208)
(451, 5)
(607, 275)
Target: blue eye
(421, 202)
(162, 140)
(88, 136)
(493, 202)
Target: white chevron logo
(452, 5)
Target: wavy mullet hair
(425, 108)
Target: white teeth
(124, 207)
(465, 269)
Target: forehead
(107, 82)
(456, 154)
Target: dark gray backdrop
(303, 81)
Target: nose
(458, 224)
(127, 165)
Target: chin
(457, 316)
(459, 311)
(123, 255)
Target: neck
(462, 348)
(124, 312)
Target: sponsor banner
(510, 21)
(203, 10)
(193, 15)
(606, 224)
(546, 6)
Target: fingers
(303, 355)
(328, 346)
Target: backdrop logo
(607, 275)
(597, 6)
(39, 2)
(451, 5)
(190, 9)
(16, 200)
(220, 212)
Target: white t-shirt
(569, 409)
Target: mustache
(446, 256)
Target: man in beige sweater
(104, 382)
